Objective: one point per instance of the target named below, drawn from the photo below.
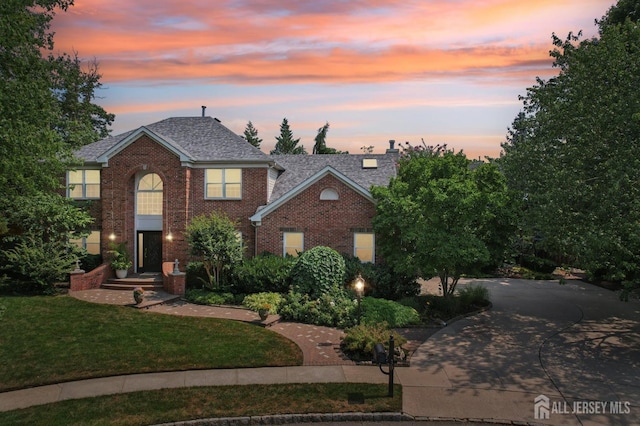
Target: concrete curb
(284, 419)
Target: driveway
(575, 347)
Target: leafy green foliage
(120, 258)
(333, 309)
(318, 271)
(381, 280)
(474, 295)
(268, 301)
(266, 272)
(573, 153)
(443, 216)
(214, 241)
(375, 311)
(285, 143)
(46, 112)
(359, 341)
(207, 297)
(37, 252)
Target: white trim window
(292, 243)
(364, 246)
(83, 184)
(225, 184)
(91, 243)
(149, 195)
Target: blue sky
(443, 71)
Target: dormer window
(369, 163)
(329, 194)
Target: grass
(171, 405)
(46, 340)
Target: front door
(149, 251)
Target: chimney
(392, 149)
(203, 108)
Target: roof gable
(193, 139)
(302, 171)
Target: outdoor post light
(380, 357)
(359, 287)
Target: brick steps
(148, 282)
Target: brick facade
(183, 197)
(324, 222)
(279, 193)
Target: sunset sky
(446, 71)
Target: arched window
(149, 195)
(329, 194)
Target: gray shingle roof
(299, 168)
(202, 139)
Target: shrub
(440, 307)
(393, 313)
(473, 296)
(318, 271)
(207, 297)
(196, 275)
(266, 272)
(538, 264)
(333, 309)
(359, 341)
(382, 281)
(268, 301)
(89, 262)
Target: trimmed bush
(264, 273)
(359, 341)
(318, 271)
(375, 311)
(333, 309)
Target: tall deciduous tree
(46, 112)
(213, 239)
(443, 217)
(285, 143)
(251, 135)
(574, 150)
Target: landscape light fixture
(358, 285)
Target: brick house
(144, 187)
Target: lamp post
(359, 287)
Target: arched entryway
(149, 202)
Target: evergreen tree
(251, 135)
(286, 144)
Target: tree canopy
(573, 152)
(443, 216)
(46, 112)
(214, 240)
(285, 143)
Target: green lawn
(171, 405)
(47, 339)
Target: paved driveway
(575, 344)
